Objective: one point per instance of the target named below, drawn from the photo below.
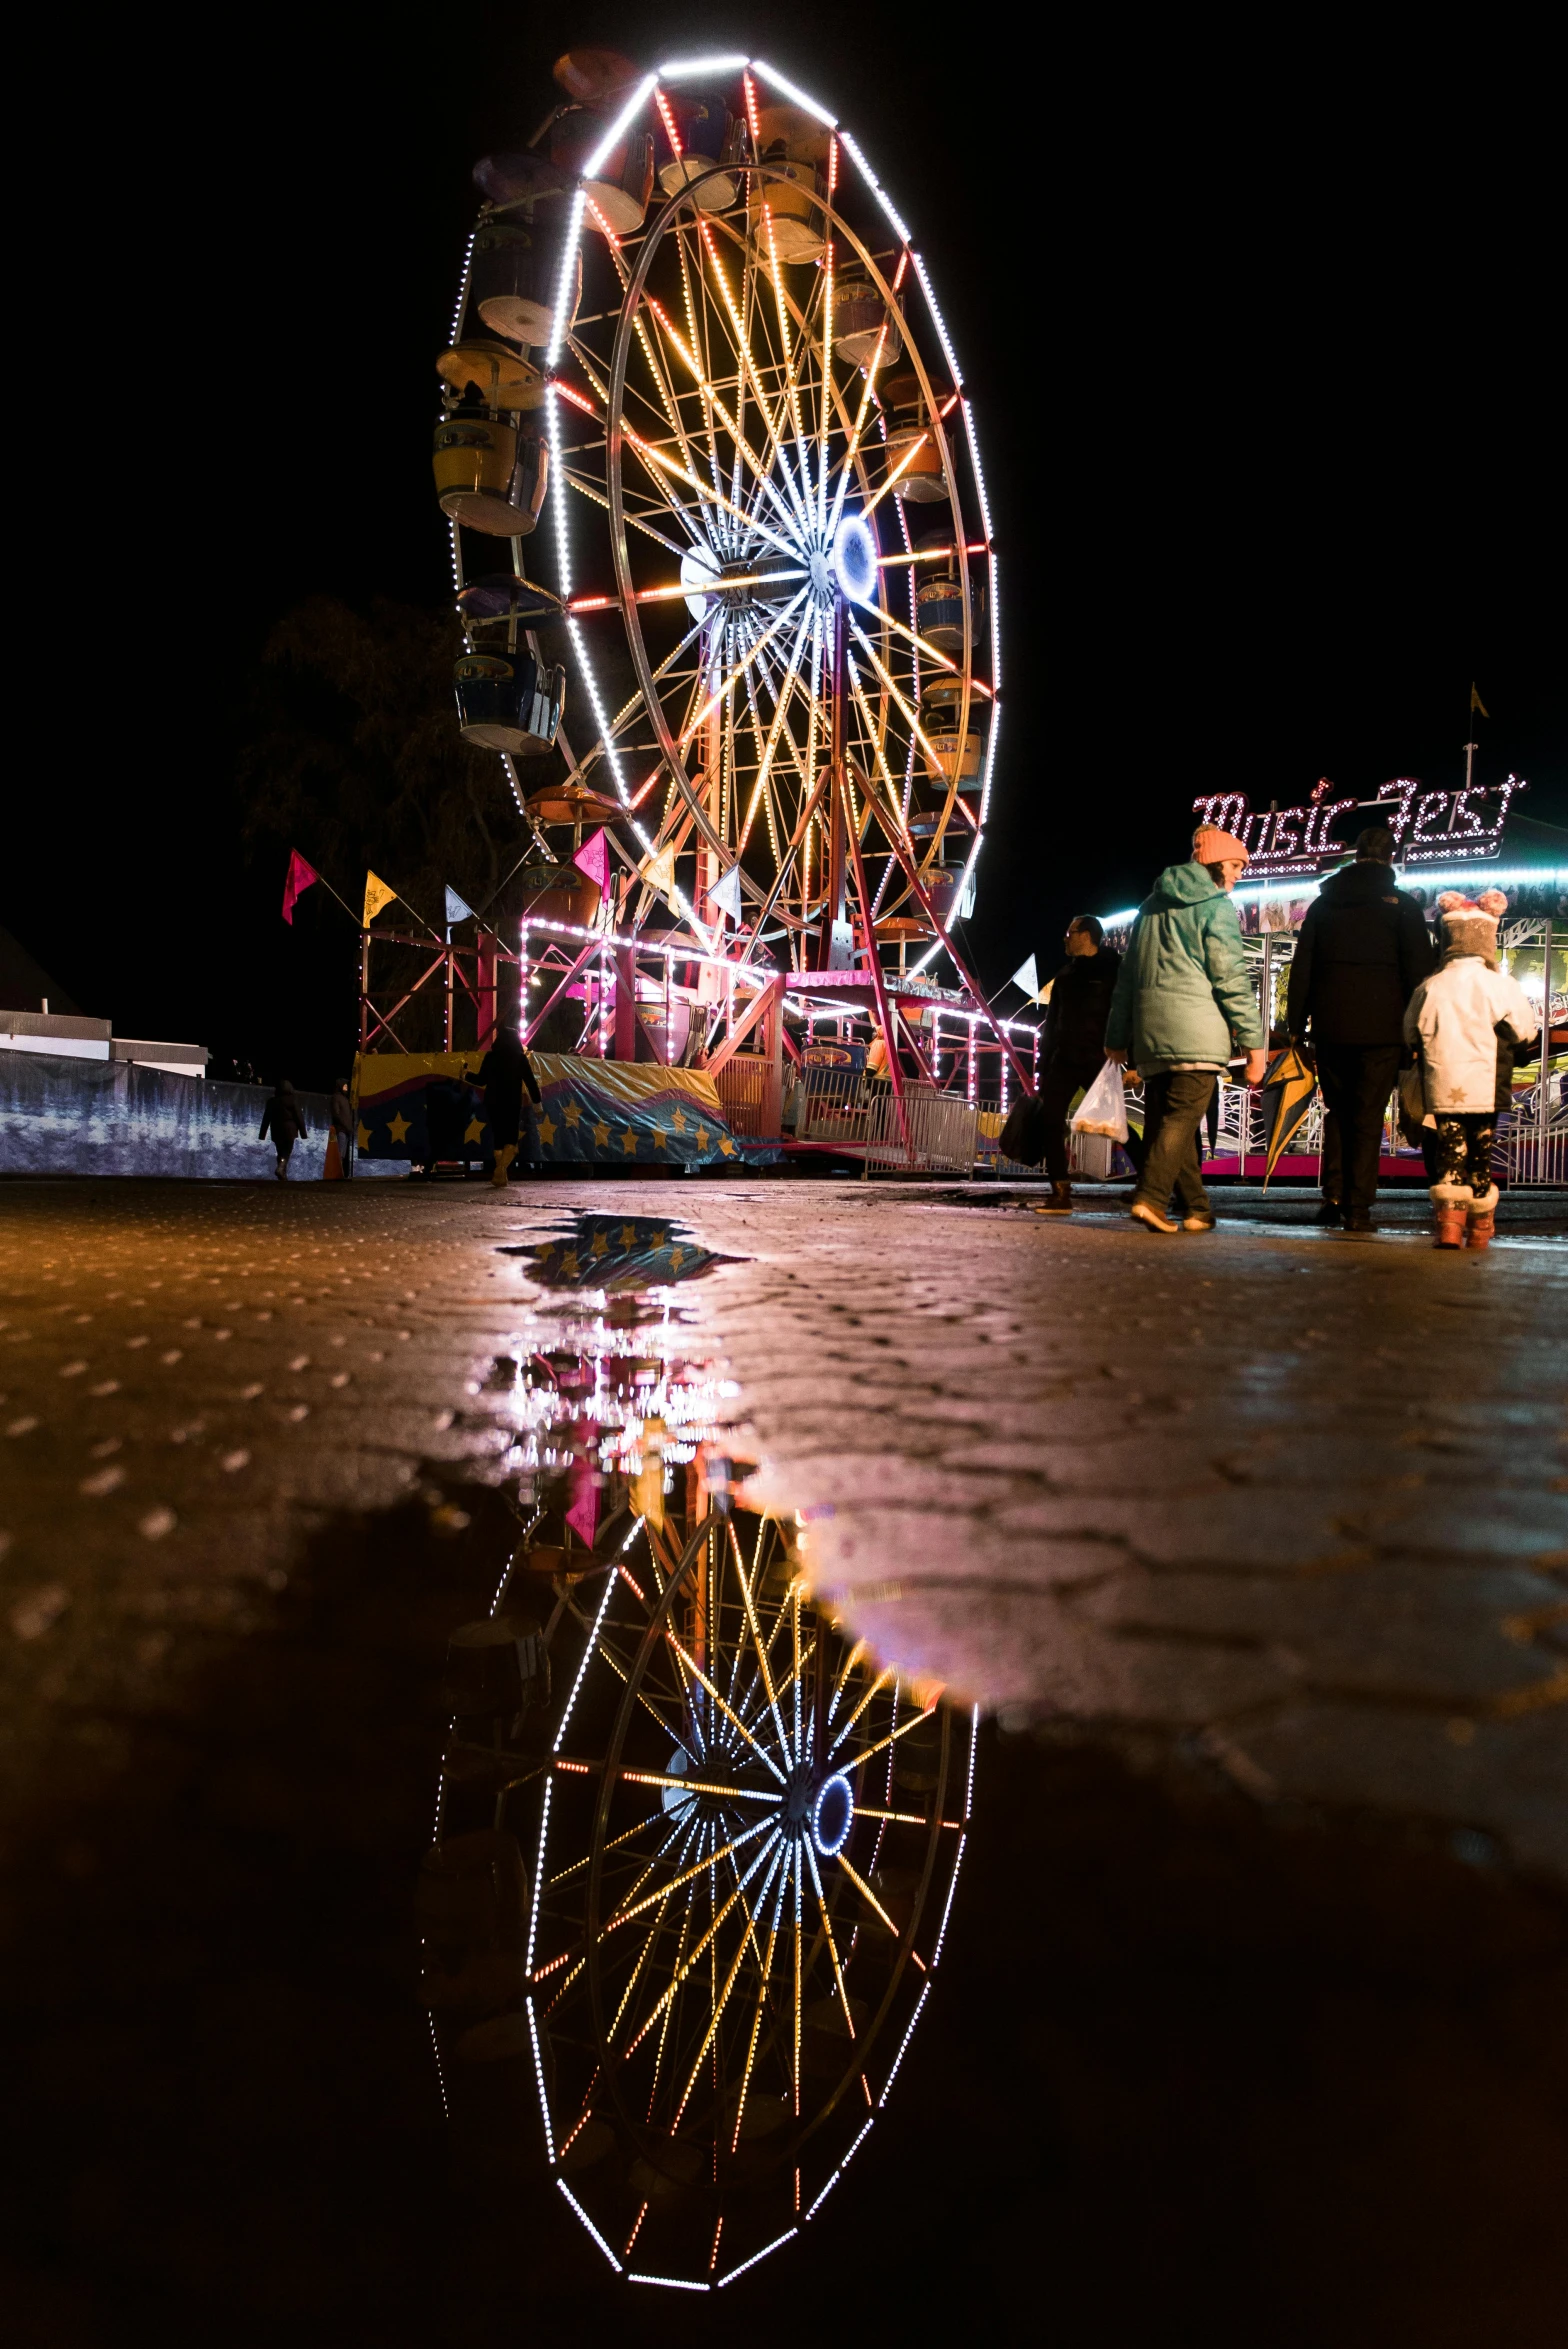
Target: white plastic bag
(1103, 1109)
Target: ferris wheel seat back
(940, 606)
(515, 274)
(489, 476)
(619, 192)
(863, 322)
(508, 700)
(707, 132)
(501, 377)
(783, 213)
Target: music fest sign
(1429, 827)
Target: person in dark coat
(284, 1119)
(1364, 949)
(343, 1124)
(503, 1073)
(1072, 1042)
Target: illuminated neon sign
(1429, 827)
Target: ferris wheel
(696, 348)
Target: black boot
(1330, 1212)
(1060, 1202)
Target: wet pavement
(1252, 1546)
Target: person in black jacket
(504, 1071)
(285, 1120)
(1364, 949)
(1072, 1042)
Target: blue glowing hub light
(832, 1815)
(855, 560)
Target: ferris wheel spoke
(741, 666)
(761, 1752)
(746, 371)
(747, 1940)
(827, 1927)
(709, 497)
(597, 496)
(760, 468)
(920, 734)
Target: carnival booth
(1471, 838)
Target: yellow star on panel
(726, 1145)
(658, 1135)
(601, 1135)
(678, 1121)
(573, 1114)
(628, 1142)
(547, 1129)
(363, 1137)
(473, 1131)
(397, 1127)
(569, 1261)
(600, 1244)
(702, 1137)
(675, 1258)
(628, 1235)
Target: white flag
(724, 896)
(1027, 977)
(457, 908)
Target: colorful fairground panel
(1469, 836)
(726, 585)
(696, 1852)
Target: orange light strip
(568, 393)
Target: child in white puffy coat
(1465, 1019)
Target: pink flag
(583, 1514)
(301, 877)
(593, 858)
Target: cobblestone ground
(1255, 1545)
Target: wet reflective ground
(1201, 2060)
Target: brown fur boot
(1481, 1220)
(1449, 1201)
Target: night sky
(1258, 331)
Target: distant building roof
(24, 983)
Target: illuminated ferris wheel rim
(645, 91)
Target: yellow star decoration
(473, 1131)
(601, 1245)
(397, 1127)
(547, 1129)
(628, 1143)
(601, 1136)
(658, 1135)
(726, 1145)
(702, 1137)
(569, 1261)
(363, 1137)
(675, 1258)
(628, 1235)
(678, 1121)
(573, 1114)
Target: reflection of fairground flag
(1476, 703)
(301, 877)
(377, 894)
(1027, 977)
(458, 908)
(1288, 1088)
(724, 896)
(659, 874)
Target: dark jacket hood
(1362, 883)
(1186, 884)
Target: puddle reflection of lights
(831, 1815)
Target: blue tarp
(63, 1116)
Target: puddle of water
(695, 1853)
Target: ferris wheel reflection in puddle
(696, 1852)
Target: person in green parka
(1183, 1007)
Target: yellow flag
(659, 873)
(1476, 703)
(377, 894)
